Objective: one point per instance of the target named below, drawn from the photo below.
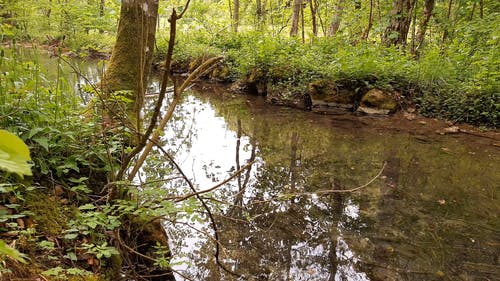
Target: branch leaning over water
(177, 97)
(209, 213)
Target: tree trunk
(335, 23)
(295, 17)
(313, 17)
(422, 28)
(302, 23)
(448, 18)
(130, 62)
(102, 4)
(236, 15)
(397, 31)
(259, 14)
(366, 32)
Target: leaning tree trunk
(397, 32)
(138, 238)
(132, 54)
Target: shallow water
(429, 213)
(424, 207)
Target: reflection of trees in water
(398, 229)
(273, 237)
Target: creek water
(327, 197)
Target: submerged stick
(331, 191)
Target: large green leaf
(14, 154)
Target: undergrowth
(459, 82)
(60, 219)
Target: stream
(326, 197)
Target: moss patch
(49, 214)
(379, 99)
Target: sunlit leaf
(14, 154)
(11, 253)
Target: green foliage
(100, 251)
(60, 273)
(80, 24)
(5, 250)
(460, 83)
(14, 154)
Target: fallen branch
(323, 192)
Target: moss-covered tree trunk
(131, 58)
(138, 238)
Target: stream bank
(369, 94)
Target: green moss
(379, 99)
(256, 75)
(49, 215)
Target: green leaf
(43, 142)
(56, 271)
(14, 154)
(71, 256)
(70, 236)
(34, 131)
(87, 207)
(11, 253)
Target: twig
(218, 185)
(132, 250)
(209, 213)
(156, 134)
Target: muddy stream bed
(328, 197)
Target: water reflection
(273, 227)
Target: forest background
(442, 54)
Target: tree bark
(422, 28)
(335, 22)
(130, 62)
(314, 9)
(259, 14)
(397, 31)
(295, 17)
(236, 15)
